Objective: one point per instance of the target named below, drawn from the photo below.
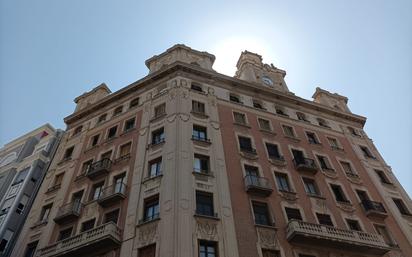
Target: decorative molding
(147, 234)
(267, 238)
(207, 230)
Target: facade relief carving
(147, 234)
(267, 238)
(206, 230)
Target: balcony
(305, 164)
(99, 240)
(112, 194)
(68, 212)
(326, 236)
(374, 209)
(99, 168)
(257, 185)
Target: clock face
(267, 81)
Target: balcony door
(298, 156)
(77, 199)
(363, 196)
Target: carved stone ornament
(171, 118)
(147, 233)
(321, 204)
(206, 230)
(215, 125)
(183, 83)
(346, 207)
(330, 174)
(184, 117)
(288, 196)
(211, 91)
(142, 131)
(267, 238)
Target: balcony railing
(257, 185)
(99, 168)
(68, 212)
(202, 139)
(331, 237)
(98, 240)
(112, 194)
(305, 164)
(372, 208)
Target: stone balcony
(112, 194)
(326, 236)
(99, 168)
(99, 240)
(68, 212)
(305, 164)
(257, 185)
(374, 209)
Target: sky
(53, 51)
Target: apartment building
(190, 162)
(23, 164)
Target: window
(280, 111)
(204, 204)
(312, 138)
(334, 144)
(129, 124)
(270, 253)
(301, 116)
(112, 132)
(23, 202)
(338, 192)
(322, 123)
(310, 186)
(118, 111)
(125, 149)
(106, 155)
(234, 98)
(102, 118)
(119, 185)
(273, 151)
(14, 189)
(88, 225)
(96, 191)
(245, 144)
(95, 140)
(264, 124)
(353, 225)
(147, 251)
(155, 168)
(112, 216)
(240, 118)
(366, 152)
(347, 167)
(282, 182)
(207, 249)
(199, 133)
(2, 218)
(382, 230)
(86, 165)
(251, 171)
(363, 196)
(261, 213)
(5, 240)
(65, 233)
(134, 102)
(45, 212)
(382, 176)
(201, 163)
(257, 104)
(160, 110)
(198, 107)
(196, 87)
(293, 213)
(158, 136)
(151, 209)
(288, 131)
(324, 219)
(298, 156)
(401, 206)
(324, 162)
(31, 249)
(21, 176)
(69, 152)
(77, 130)
(353, 131)
(7, 204)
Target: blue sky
(52, 51)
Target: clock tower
(251, 68)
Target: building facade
(23, 164)
(190, 162)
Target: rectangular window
(301, 116)
(261, 213)
(23, 202)
(155, 167)
(333, 142)
(204, 204)
(293, 214)
(366, 152)
(31, 249)
(353, 225)
(382, 230)
(273, 151)
(196, 87)
(86, 166)
(324, 219)
(198, 107)
(5, 240)
(119, 183)
(288, 131)
(118, 111)
(129, 124)
(77, 130)
(69, 152)
(151, 209)
(112, 132)
(125, 149)
(347, 167)
(95, 140)
(112, 216)
(282, 182)
(281, 111)
(58, 179)
(102, 118)
(106, 155)
(158, 136)
(207, 249)
(199, 133)
(323, 123)
(382, 176)
(201, 163)
(401, 206)
(88, 225)
(45, 212)
(324, 163)
(251, 171)
(147, 251)
(338, 192)
(312, 138)
(264, 124)
(234, 98)
(65, 233)
(240, 118)
(258, 105)
(310, 186)
(96, 191)
(363, 196)
(245, 144)
(134, 102)
(160, 110)
(270, 253)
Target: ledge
(295, 139)
(158, 117)
(147, 222)
(206, 216)
(245, 125)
